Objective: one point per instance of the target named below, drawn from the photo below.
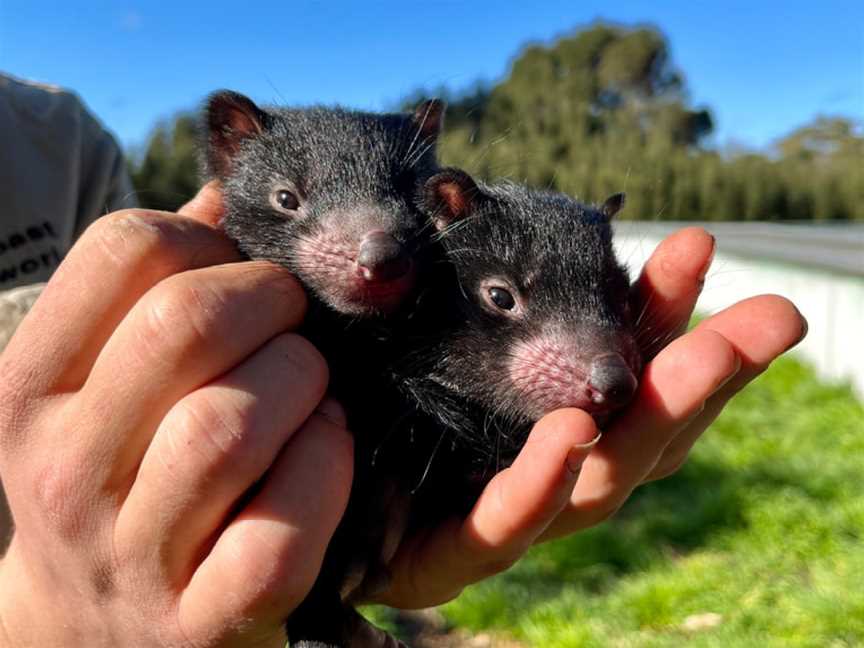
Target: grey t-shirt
(59, 171)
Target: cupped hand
(560, 483)
(153, 384)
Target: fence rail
(819, 267)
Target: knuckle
(604, 513)
(56, 496)
(215, 429)
(158, 243)
(274, 561)
(727, 358)
(711, 360)
(15, 407)
(491, 568)
(180, 313)
(125, 236)
(669, 467)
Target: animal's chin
(365, 298)
(542, 406)
(602, 418)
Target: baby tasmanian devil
(326, 192)
(530, 315)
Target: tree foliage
(599, 111)
(166, 174)
(605, 110)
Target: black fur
(557, 254)
(350, 172)
(338, 160)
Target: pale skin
(146, 393)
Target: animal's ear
(429, 118)
(231, 118)
(613, 205)
(450, 195)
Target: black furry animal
(533, 315)
(528, 314)
(326, 192)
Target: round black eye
(502, 298)
(287, 200)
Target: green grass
(764, 526)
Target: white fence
(820, 268)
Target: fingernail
(704, 270)
(805, 328)
(578, 453)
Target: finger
(212, 446)
(184, 333)
(118, 259)
(331, 409)
(667, 289)
(515, 508)
(520, 501)
(207, 206)
(664, 404)
(264, 563)
(759, 329)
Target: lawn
(756, 541)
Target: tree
(596, 112)
(600, 106)
(166, 175)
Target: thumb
(206, 206)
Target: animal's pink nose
(611, 381)
(381, 257)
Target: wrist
(6, 635)
(25, 615)
(14, 595)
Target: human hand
(150, 387)
(544, 494)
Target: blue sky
(762, 67)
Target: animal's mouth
(383, 293)
(349, 292)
